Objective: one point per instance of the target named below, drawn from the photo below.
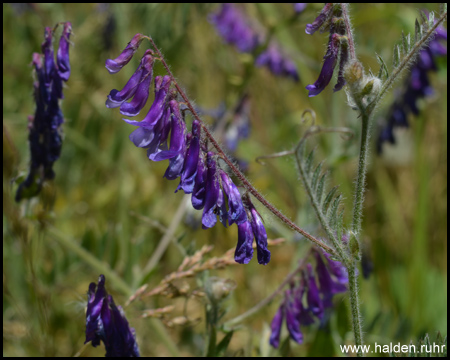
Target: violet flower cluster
(417, 87)
(316, 289)
(107, 322)
(330, 19)
(45, 137)
(199, 170)
(235, 28)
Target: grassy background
(102, 181)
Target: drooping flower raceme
(320, 285)
(107, 322)
(235, 28)
(417, 86)
(330, 18)
(45, 136)
(164, 134)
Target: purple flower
(328, 286)
(244, 249)
(299, 7)
(278, 63)
(148, 133)
(44, 137)
(314, 303)
(199, 191)
(117, 64)
(277, 323)
(328, 67)
(236, 213)
(138, 86)
(106, 322)
(62, 56)
(320, 20)
(189, 173)
(235, 29)
(259, 232)
(212, 189)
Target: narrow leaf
(396, 55)
(442, 8)
(431, 19)
(315, 176)
(404, 43)
(383, 68)
(223, 345)
(332, 212)
(320, 188)
(408, 42)
(328, 199)
(424, 20)
(417, 32)
(308, 162)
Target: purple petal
(190, 166)
(209, 218)
(236, 213)
(275, 326)
(320, 20)
(199, 191)
(244, 248)
(117, 64)
(293, 323)
(314, 303)
(140, 97)
(62, 56)
(261, 238)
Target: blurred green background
(104, 185)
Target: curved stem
(249, 187)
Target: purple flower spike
(199, 191)
(190, 165)
(62, 56)
(314, 303)
(117, 64)
(320, 20)
(209, 218)
(304, 315)
(116, 98)
(177, 151)
(106, 322)
(140, 97)
(49, 61)
(236, 213)
(276, 325)
(327, 69)
(244, 248)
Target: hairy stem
(249, 187)
(361, 177)
(354, 306)
(408, 58)
(348, 29)
(269, 298)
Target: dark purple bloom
(278, 63)
(138, 84)
(235, 29)
(45, 126)
(276, 325)
(62, 56)
(199, 191)
(314, 303)
(304, 315)
(209, 218)
(292, 318)
(328, 286)
(244, 248)
(106, 322)
(117, 64)
(191, 163)
(177, 151)
(236, 213)
(328, 67)
(320, 20)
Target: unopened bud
(354, 73)
(218, 289)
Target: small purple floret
(117, 64)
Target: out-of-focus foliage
(104, 186)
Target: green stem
(354, 306)
(361, 178)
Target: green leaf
(223, 345)
(332, 212)
(328, 198)
(320, 188)
(308, 162)
(431, 19)
(285, 348)
(315, 176)
(404, 43)
(384, 72)
(397, 55)
(442, 8)
(212, 342)
(417, 34)
(424, 20)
